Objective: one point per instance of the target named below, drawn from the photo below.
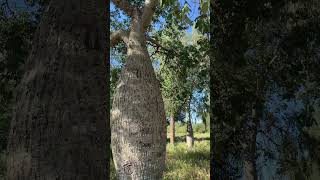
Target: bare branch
(148, 11)
(125, 6)
(118, 36)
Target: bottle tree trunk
(59, 126)
(189, 137)
(138, 128)
(172, 129)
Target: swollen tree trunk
(172, 128)
(138, 128)
(59, 126)
(189, 137)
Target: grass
(184, 164)
(181, 163)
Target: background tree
(182, 71)
(249, 62)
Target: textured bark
(172, 129)
(138, 128)
(59, 126)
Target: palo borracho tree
(138, 116)
(59, 126)
(138, 125)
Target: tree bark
(250, 166)
(204, 120)
(172, 129)
(250, 169)
(59, 127)
(189, 137)
(138, 129)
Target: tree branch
(154, 43)
(148, 11)
(118, 36)
(125, 6)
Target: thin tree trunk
(172, 128)
(138, 134)
(204, 120)
(189, 137)
(59, 126)
(250, 167)
(250, 171)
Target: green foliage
(265, 43)
(183, 66)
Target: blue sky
(193, 5)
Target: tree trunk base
(190, 142)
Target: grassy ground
(184, 164)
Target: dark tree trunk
(204, 120)
(172, 129)
(59, 127)
(250, 169)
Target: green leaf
(204, 6)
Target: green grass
(184, 164)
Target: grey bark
(138, 125)
(189, 137)
(59, 126)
